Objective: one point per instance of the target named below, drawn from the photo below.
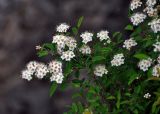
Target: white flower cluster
(129, 43)
(85, 49)
(60, 40)
(100, 70)
(151, 3)
(55, 68)
(37, 68)
(27, 74)
(145, 64)
(67, 55)
(135, 4)
(138, 18)
(156, 70)
(63, 41)
(41, 71)
(151, 11)
(63, 27)
(118, 60)
(147, 95)
(156, 47)
(71, 43)
(155, 25)
(86, 37)
(103, 35)
(32, 66)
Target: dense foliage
(122, 74)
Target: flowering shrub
(123, 73)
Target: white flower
(60, 40)
(156, 70)
(27, 74)
(57, 77)
(129, 43)
(71, 43)
(151, 2)
(62, 27)
(135, 4)
(86, 37)
(118, 60)
(158, 59)
(156, 47)
(151, 11)
(145, 64)
(67, 55)
(137, 18)
(155, 25)
(55, 67)
(103, 35)
(63, 41)
(85, 49)
(100, 70)
(32, 66)
(147, 95)
(41, 71)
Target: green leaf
(132, 76)
(77, 83)
(68, 69)
(111, 98)
(106, 50)
(98, 58)
(136, 32)
(129, 27)
(115, 34)
(74, 107)
(138, 89)
(64, 85)
(148, 43)
(80, 21)
(141, 56)
(75, 30)
(53, 89)
(128, 94)
(118, 37)
(155, 104)
(80, 107)
(118, 99)
(42, 53)
(149, 72)
(50, 46)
